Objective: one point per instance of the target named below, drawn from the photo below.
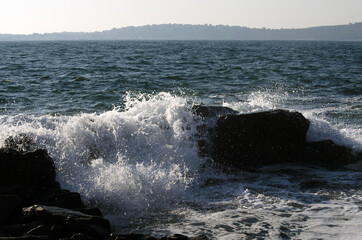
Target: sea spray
(138, 158)
(139, 163)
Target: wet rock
(205, 132)
(327, 154)
(29, 237)
(39, 230)
(175, 237)
(252, 140)
(212, 111)
(90, 211)
(200, 238)
(64, 199)
(31, 168)
(70, 222)
(81, 236)
(9, 205)
(131, 236)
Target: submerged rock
(252, 140)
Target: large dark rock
(205, 131)
(31, 168)
(328, 154)
(251, 140)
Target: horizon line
(208, 25)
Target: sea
(116, 118)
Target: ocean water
(116, 118)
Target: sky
(40, 16)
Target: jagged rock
(31, 168)
(212, 111)
(327, 154)
(69, 222)
(252, 140)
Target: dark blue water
(73, 77)
(123, 108)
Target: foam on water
(135, 158)
(140, 164)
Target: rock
(251, 140)
(69, 222)
(175, 237)
(9, 205)
(29, 237)
(204, 130)
(31, 168)
(131, 236)
(200, 238)
(90, 211)
(39, 230)
(81, 236)
(63, 199)
(327, 154)
(212, 111)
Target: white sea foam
(123, 159)
(140, 164)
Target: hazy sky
(29, 16)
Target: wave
(145, 154)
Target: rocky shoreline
(34, 206)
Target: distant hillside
(350, 32)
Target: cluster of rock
(34, 207)
(248, 141)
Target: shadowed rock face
(327, 154)
(247, 141)
(253, 140)
(33, 206)
(31, 168)
(212, 111)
